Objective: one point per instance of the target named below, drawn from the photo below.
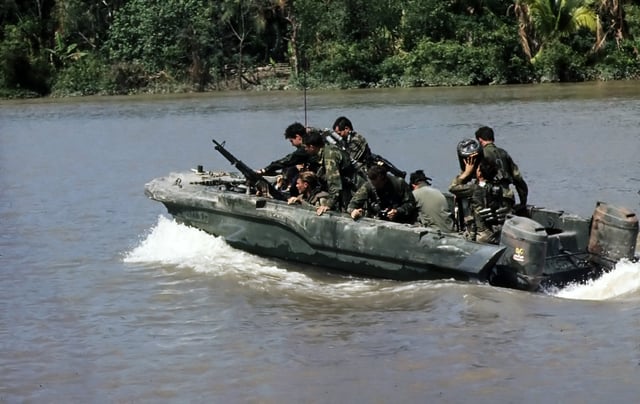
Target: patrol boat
(547, 247)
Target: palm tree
(613, 14)
(544, 21)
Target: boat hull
(366, 247)
(546, 247)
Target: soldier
(343, 136)
(507, 171)
(355, 144)
(309, 191)
(289, 164)
(335, 172)
(384, 197)
(433, 209)
(485, 200)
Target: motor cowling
(526, 247)
(613, 234)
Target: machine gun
(249, 174)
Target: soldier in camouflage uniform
(485, 200)
(384, 197)
(335, 172)
(355, 144)
(507, 171)
(295, 133)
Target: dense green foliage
(81, 47)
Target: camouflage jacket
(337, 176)
(358, 148)
(475, 194)
(396, 194)
(508, 173)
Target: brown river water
(104, 298)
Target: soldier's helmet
(466, 148)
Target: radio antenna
(302, 63)
(305, 96)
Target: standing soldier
(487, 208)
(353, 142)
(507, 171)
(343, 135)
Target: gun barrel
(378, 159)
(249, 174)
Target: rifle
(458, 214)
(250, 175)
(378, 160)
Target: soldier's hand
(471, 160)
(392, 213)
(321, 210)
(356, 214)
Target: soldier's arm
(299, 156)
(359, 199)
(360, 149)
(518, 181)
(334, 181)
(408, 205)
(460, 189)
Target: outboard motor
(613, 235)
(466, 148)
(526, 250)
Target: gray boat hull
(366, 247)
(215, 203)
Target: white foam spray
(174, 244)
(623, 280)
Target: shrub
(620, 63)
(21, 72)
(86, 76)
(558, 62)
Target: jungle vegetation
(83, 47)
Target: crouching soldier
(309, 191)
(384, 197)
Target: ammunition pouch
(494, 217)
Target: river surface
(104, 298)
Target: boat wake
(175, 245)
(623, 281)
(172, 244)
